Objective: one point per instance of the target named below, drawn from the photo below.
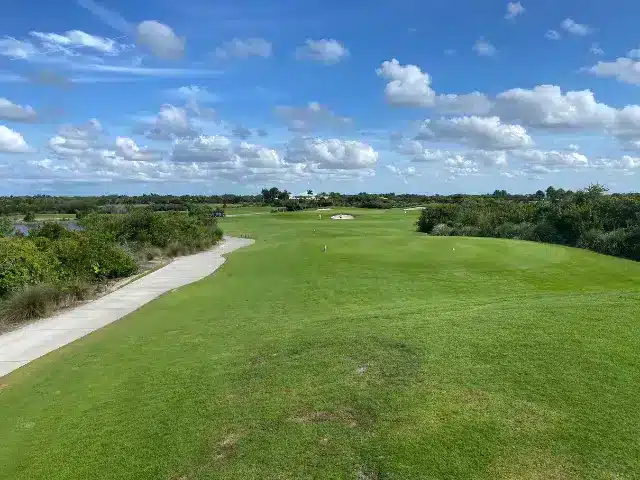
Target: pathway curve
(21, 346)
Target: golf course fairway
(392, 355)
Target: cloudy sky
(205, 96)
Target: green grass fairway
(393, 355)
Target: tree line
(587, 218)
(40, 204)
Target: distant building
(306, 196)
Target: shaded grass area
(390, 356)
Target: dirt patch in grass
(367, 474)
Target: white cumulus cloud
(129, 150)
(16, 113)
(574, 28)
(547, 106)
(624, 70)
(480, 132)
(327, 51)
(332, 154)
(408, 85)
(160, 39)
(12, 142)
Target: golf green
(392, 355)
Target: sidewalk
(21, 346)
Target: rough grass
(38, 301)
(389, 356)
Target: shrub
(176, 250)
(31, 302)
(29, 217)
(6, 226)
(50, 230)
(435, 214)
(147, 253)
(442, 230)
(78, 290)
(22, 263)
(622, 242)
(547, 233)
(92, 257)
(466, 231)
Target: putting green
(392, 355)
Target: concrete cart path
(21, 346)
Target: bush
(196, 230)
(31, 302)
(79, 290)
(442, 230)
(177, 250)
(435, 214)
(22, 263)
(92, 257)
(6, 226)
(622, 242)
(466, 231)
(50, 230)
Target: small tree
(30, 217)
(6, 226)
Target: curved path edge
(32, 341)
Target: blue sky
(212, 97)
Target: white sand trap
(414, 208)
(324, 209)
(342, 216)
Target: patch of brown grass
(228, 446)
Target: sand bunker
(324, 209)
(414, 208)
(342, 216)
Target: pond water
(25, 227)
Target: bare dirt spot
(342, 216)
(3, 386)
(341, 416)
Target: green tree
(30, 216)
(6, 226)
(270, 195)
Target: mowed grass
(391, 356)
